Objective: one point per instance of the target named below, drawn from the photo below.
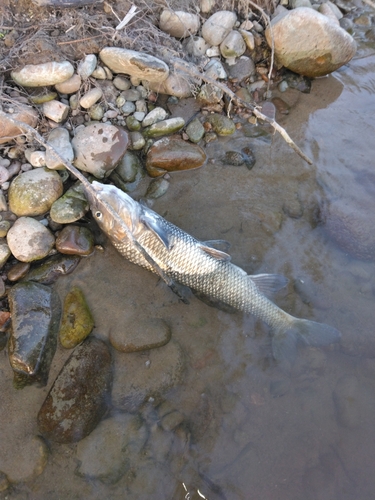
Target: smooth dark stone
(35, 310)
(56, 266)
(18, 271)
(75, 240)
(79, 396)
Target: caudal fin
(284, 341)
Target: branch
(179, 65)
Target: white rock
(87, 66)
(29, 240)
(55, 111)
(213, 52)
(99, 73)
(156, 115)
(176, 85)
(69, 86)
(38, 158)
(214, 69)
(40, 75)
(326, 10)
(206, 6)
(233, 45)
(179, 24)
(218, 26)
(4, 253)
(59, 138)
(248, 39)
(91, 97)
(121, 83)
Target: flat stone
(35, 311)
(77, 321)
(52, 268)
(140, 335)
(99, 148)
(171, 154)
(135, 64)
(78, 398)
(40, 75)
(59, 139)
(32, 193)
(29, 240)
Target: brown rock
(22, 113)
(171, 154)
(75, 240)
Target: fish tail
(286, 338)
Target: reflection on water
(249, 430)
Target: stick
(129, 16)
(178, 64)
(91, 190)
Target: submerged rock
(173, 153)
(221, 124)
(35, 311)
(77, 321)
(78, 398)
(141, 335)
(50, 270)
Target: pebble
(174, 85)
(3, 202)
(196, 46)
(99, 148)
(214, 69)
(112, 448)
(38, 159)
(96, 112)
(156, 115)
(221, 125)
(165, 127)
(35, 311)
(55, 111)
(4, 174)
(29, 240)
(132, 123)
(129, 167)
(137, 141)
(171, 154)
(78, 398)
(4, 253)
(87, 66)
(4, 228)
(41, 75)
(195, 131)
(218, 26)
(22, 113)
(233, 45)
(242, 69)
(179, 24)
(128, 108)
(131, 95)
(248, 39)
(59, 139)
(75, 240)
(121, 83)
(137, 377)
(133, 63)
(99, 73)
(77, 321)
(69, 86)
(91, 97)
(72, 206)
(18, 271)
(32, 193)
(209, 94)
(51, 269)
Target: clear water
(256, 433)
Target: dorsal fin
(213, 252)
(269, 283)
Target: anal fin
(269, 284)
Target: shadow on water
(252, 431)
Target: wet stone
(156, 115)
(128, 173)
(77, 321)
(35, 311)
(18, 271)
(112, 448)
(78, 398)
(165, 127)
(141, 376)
(221, 125)
(99, 148)
(141, 335)
(29, 239)
(75, 240)
(54, 267)
(195, 131)
(157, 188)
(173, 153)
(71, 207)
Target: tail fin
(284, 341)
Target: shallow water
(256, 432)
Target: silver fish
(138, 232)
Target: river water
(253, 431)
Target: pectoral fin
(222, 245)
(213, 252)
(269, 284)
(152, 222)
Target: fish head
(116, 213)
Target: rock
(59, 139)
(214, 69)
(233, 45)
(32, 193)
(156, 115)
(165, 127)
(136, 64)
(69, 86)
(248, 39)
(352, 230)
(87, 66)
(29, 240)
(43, 96)
(309, 43)
(209, 95)
(131, 95)
(38, 159)
(121, 83)
(141, 335)
(179, 24)
(75, 240)
(112, 448)
(4, 174)
(50, 270)
(76, 322)
(72, 206)
(132, 123)
(176, 85)
(35, 311)
(241, 69)
(78, 398)
(345, 398)
(4, 253)
(326, 10)
(30, 463)
(41, 75)
(4, 228)
(128, 173)
(157, 188)
(99, 148)
(221, 125)
(91, 97)
(137, 377)
(171, 154)
(22, 113)
(18, 271)
(218, 26)
(195, 130)
(196, 46)
(55, 111)
(137, 141)
(4, 482)
(128, 108)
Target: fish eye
(98, 215)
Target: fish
(145, 238)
